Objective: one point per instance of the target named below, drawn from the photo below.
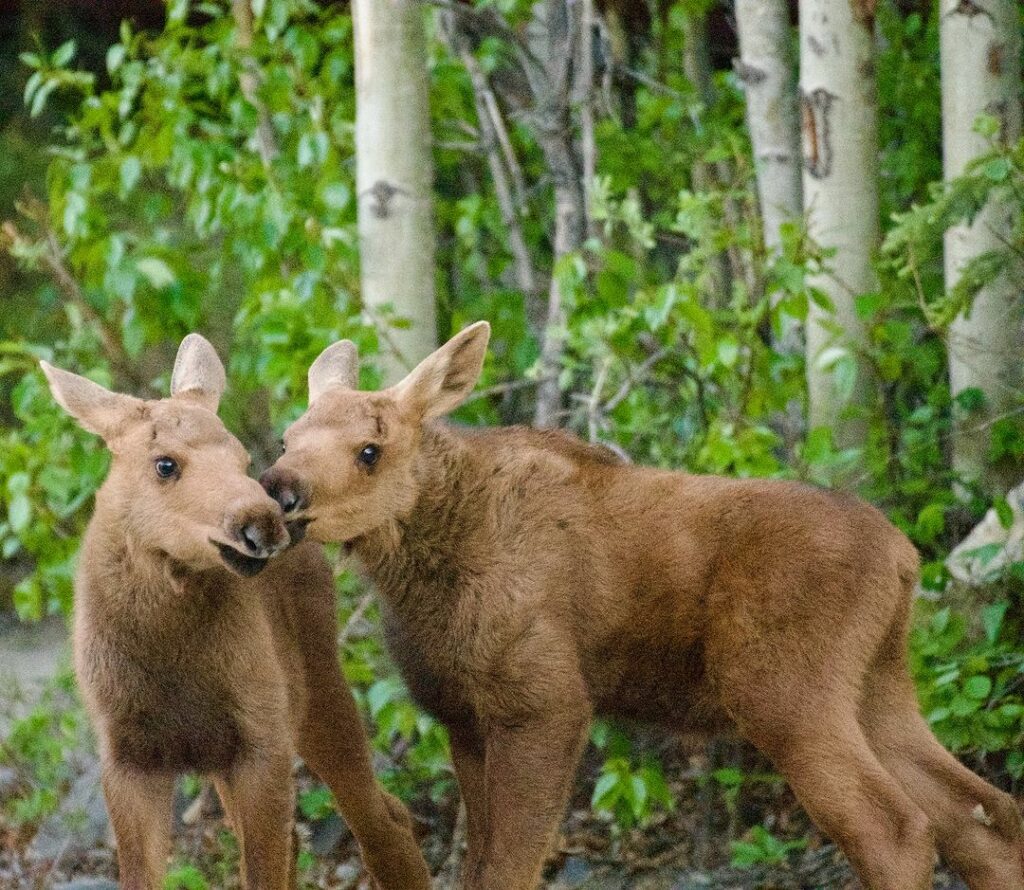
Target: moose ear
(198, 373)
(337, 365)
(441, 382)
(97, 410)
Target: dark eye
(166, 467)
(283, 447)
(369, 455)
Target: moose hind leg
(849, 794)
(977, 827)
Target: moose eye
(369, 455)
(165, 467)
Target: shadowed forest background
(755, 238)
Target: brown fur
(186, 666)
(530, 581)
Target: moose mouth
(238, 562)
(297, 529)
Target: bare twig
(56, 264)
(249, 81)
(353, 620)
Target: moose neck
(425, 547)
(129, 577)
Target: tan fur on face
(536, 581)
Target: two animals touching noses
(521, 596)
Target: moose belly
(664, 685)
(188, 740)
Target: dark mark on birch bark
(382, 193)
(749, 74)
(995, 58)
(864, 12)
(815, 108)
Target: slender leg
(470, 764)
(140, 813)
(978, 828)
(332, 741)
(529, 773)
(849, 794)
(259, 798)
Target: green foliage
(630, 789)
(36, 748)
(972, 686)
(763, 848)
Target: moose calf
(189, 663)
(530, 581)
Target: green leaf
(63, 54)
(978, 687)
(155, 271)
(19, 512)
(992, 619)
(603, 797)
(1004, 512)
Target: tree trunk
(553, 129)
(840, 185)
(980, 51)
(766, 69)
(394, 178)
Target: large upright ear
(97, 409)
(198, 373)
(441, 382)
(337, 365)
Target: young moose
(530, 581)
(189, 663)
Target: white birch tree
(768, 72)
(394, 178)
(840, 136)
(980, 52)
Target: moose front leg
(140, 813)
(529, 772)
(468, 759)
(258, 797)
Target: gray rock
(8, 782)
(347, 875)
(80, 823)
(574, 872)
(87, 884)
(326, 834)
(989, 547)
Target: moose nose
(260, 531)
(286, 489)
(253, 538)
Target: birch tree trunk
(767, 71)
(980, 52)
(394, 177)
(554, 131)
(840, 136)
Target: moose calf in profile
(189, 663)
(530, 581)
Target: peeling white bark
(394, 177)
(980, 50)
(840, 146)
(767, 70)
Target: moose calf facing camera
(197, 652)
(529, 581)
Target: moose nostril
(288, 500)
(252, 536)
